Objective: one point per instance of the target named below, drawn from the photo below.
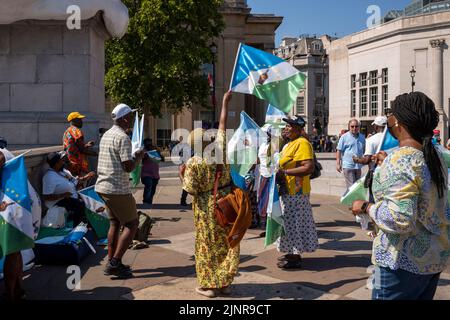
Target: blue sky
(341, 17)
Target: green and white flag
(267, 77)
(95, 211)
(275, 223)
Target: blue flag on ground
(242, 149)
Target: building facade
(241, 26)
(370, 68)
(308, 54)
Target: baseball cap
(295, 121)
(380, 121)
(54, 157)
(75, 115)
(121, 111)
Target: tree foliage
(158, 61)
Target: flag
(242, 149)
(16, 222)
(136, 144)
(389, 143)
(267, 77)
(274, 224)
(274, 116)
(97, 217)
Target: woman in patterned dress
(215, 261)
(411, 210)
(296, 165)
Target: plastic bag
(55, 218)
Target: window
(301, 105)
(363, 103)
(353, 104)
(317, 46)
(374, 101)
(385, 75)
(385, 98)
(163, 137)
(319, 80)
(353, 81)
(373, 78)
(363, 79)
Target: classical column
(437, 83)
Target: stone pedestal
(46, 72)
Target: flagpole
(382, 140)
(235, 64)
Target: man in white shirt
(59, 188)
(373, 143)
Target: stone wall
(46, 72)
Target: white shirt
(372, 144)
(58, 183)
(8, 155)
(264, 167)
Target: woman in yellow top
(296, 166)
(216, 262)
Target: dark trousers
(149, 189)
(75, 208)
(184, 195)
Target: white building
(370, 68)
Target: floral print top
(414, 222)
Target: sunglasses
(354, 127)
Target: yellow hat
(75, 115)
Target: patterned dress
(78, 162)
(414, 222)
(300, 229)
(215, 262)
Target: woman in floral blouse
(411, 207)
(215, 261)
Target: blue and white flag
(17, 231)
(274, 116)
(95, 211)
(275, 222)
(136, 144)
(267, 77)
(242, 149)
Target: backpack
(317, 169)
(145, 226)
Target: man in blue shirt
(351, 146)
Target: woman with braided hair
(411, 207)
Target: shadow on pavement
(336, 262)
(337, 223)
(289, 290)
(167, 206)
(335, 235)
(346, 245)
(184, 271)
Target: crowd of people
(408, 204)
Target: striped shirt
(115, 148)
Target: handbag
(223, 209)
(317, 169)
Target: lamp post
(413, 76)
(213, 49)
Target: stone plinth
(46, 72)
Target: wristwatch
(364, 207)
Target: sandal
(289, 264)
(210, 293)
(288, 257)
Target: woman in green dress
(215, 261)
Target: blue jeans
(403, 285)
(149, 189)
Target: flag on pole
(136, 144)
(16, 222)
(242, 149)
(274, 116)
(95, 211)
(357, 191)
(267, 77)
(275, 223)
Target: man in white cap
(373, 143)
(115, 163)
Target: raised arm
(224, 113)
